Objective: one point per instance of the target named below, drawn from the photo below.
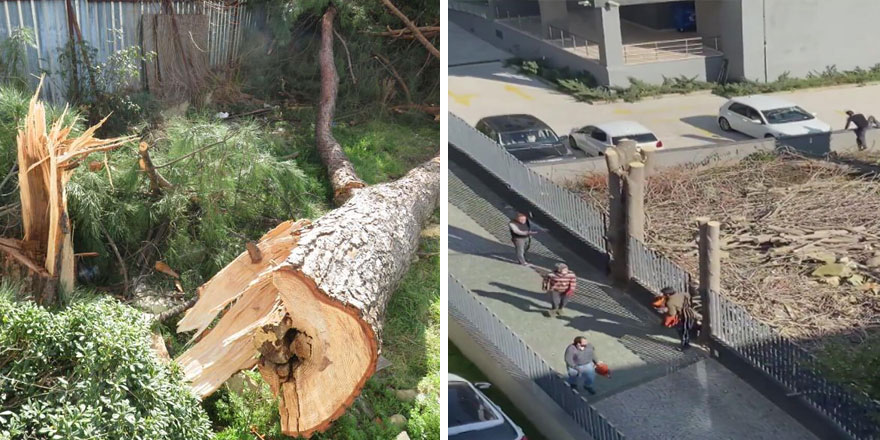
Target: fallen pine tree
(309, 312)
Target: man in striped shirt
(560, 284)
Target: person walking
(560, 284)
(580, 361)
(862, 124)
(680, 313)
(521, 235)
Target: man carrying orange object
(679, 313)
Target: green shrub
(230, 193)
(88, 372)
(13, 58)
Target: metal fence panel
(565, 207)
(111, 26)
(794, 367)
(466, 308)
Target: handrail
(668, 49)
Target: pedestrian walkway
(627, 335)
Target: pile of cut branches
(800, 241)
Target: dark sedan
(525, 137)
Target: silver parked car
(472, 416)
(594, 139)
(761, 116)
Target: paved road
(486, 89)
(639, 398)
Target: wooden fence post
(648, 158)
(710, 270)
(635, 211)
(635, 201)
(616, 232)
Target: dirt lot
(800, 237)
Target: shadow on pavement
(709, 123)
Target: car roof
(455, 378)
(763, 102)
(622, 128)
(508, 123)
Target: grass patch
(584, 87)
(460, 365)
(854, 365)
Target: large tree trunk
(342, 175)
(309, 311)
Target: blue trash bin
(685, 17)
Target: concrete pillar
(611, 44)
(710, 270)
(616, 232)
(552, 12)
(492, 13)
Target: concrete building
(757, 40)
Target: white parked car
(594, 139)
(765, 116)
(472, 416)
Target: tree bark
(309, 312)
(343, 178)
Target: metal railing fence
(562, 205)
(480, 9)
(578, 44)
(467, 309)
(794, 367)
(655, 271)
(669, 50)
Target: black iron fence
(487, 328)
(731, 325)
(792, 366)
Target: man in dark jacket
(580, 361)
(862, 125)
(520, 234)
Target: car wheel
(768, 135)
(724, 124)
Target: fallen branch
(432, 110)
(119, 259)
(347, 56)
(343, 178)
(413, 28)
(176, 310)
(387, 64)
(406, 33)
(157, 182)
(193, 153)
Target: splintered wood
(800, 237)
(47, 157)
(306, 305)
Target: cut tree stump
(309, 312)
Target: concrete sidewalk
(627, 335)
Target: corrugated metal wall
(110, 26)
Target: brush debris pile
(800, 237)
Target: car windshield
(639, 138)
(787, 114)
(527, 137)
(465, 407)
